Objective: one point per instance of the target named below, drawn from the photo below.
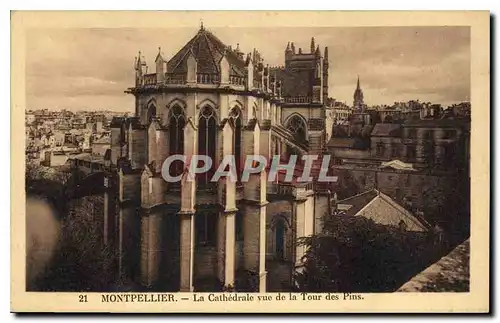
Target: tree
(82, 261)
(354, 254)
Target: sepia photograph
(226, 161)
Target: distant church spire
(358, 103)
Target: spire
(313, 46)
(293, 48)
(201, 25)
(318, 52)
(287, 47)
(159, 57)
(326, 53)
(358, 97)
(138, 61)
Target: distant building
(425, 160)
(29, 118)
(101, 146)
(358, 104)
(341, 113)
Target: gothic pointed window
(176, 123)
(235, 123)
(298, 128)
(151, 113)
(280, 231)
(207, 138)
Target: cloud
(80, 67)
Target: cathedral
(214, 100)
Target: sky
(89, 69)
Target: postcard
(250, 161)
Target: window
(207, 138)
(206, 228)
(239, 226)
(235, 122)
(176, 121)
(380, 148)
(151, 112)
(429, 152)
(297, 126)
(429, 135)
(123, 134)
(449, 155)
(394, 150)
(276, 146)
(412, 133)
(449, 134)
(411, 151)
(280, 231)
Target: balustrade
(257, 84)
(207, 78)
(201, 78)
(298, 99)
(175, 79)
(237, 80)
(150, 79)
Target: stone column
(254, 229)
(128, 242)
(229, 259)
(109, 212)
(303, 221)
(186, 251)
(226, 224)
(188, 201)
(151, 245)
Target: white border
(199, 5)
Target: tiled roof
(208, 50)
(341, 142)
(357, 202)
(381, 209)
(103, 140)
(442, 123)
(386, 130)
